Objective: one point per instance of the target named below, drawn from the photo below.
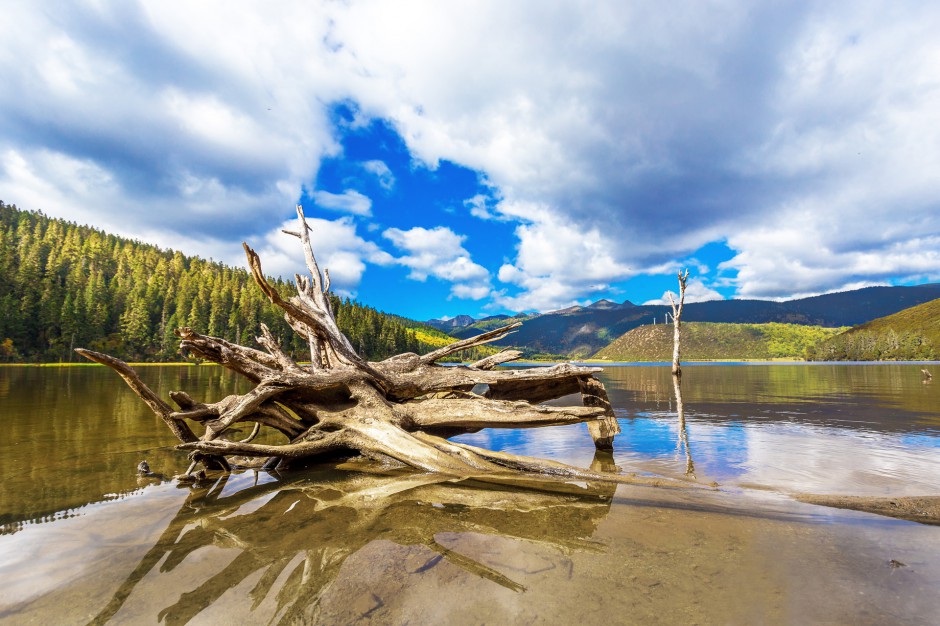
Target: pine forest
(64, 286)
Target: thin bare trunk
(677, 321)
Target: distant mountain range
(451, 324)
(581, 331)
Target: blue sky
(489, 157)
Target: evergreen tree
(64, 286)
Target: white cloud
(350, 201)
(695, 291)
(557, 263)
(183, 121)
(439, 252)
(665, 129)
(382, 173)
(791, 260)
(620, 137)
(337, 246)
(481, 206)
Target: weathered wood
(472, 342)
(683, 443)
(397, 412)
(476, 413)
(602, 431)
(488, 363)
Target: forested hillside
(63, 285)
(717, 341)
(909, 335)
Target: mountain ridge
(582, 331)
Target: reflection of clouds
(796, 457)
(788, 456)
(54, 554)
(568, 444)
(861, 429)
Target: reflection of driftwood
(400, 410)
(311, 527)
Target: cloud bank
(616, 137)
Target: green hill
(702, 341)
(63, 285)
(909, 335)
(580, 331)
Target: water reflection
(333, 547)
(850, 429)
(288, 539)
(682, 445)
(71, 436)
(74, 436)
(886, 396)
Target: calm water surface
(83, 541)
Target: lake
(83, 540)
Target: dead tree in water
(400, 411)
(676, 321)
(683, 439)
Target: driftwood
(400, 411)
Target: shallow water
(871, 429)
(85, 542)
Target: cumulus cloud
(665, 129)
(350, 201)
(695, 291)
(557, 262)
(338, 249)
(382, 173)
(482, 207)
(617, 137)
(439, 252)
(186, 113)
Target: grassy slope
(713, 341)
(911, 334)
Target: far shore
(599, 362)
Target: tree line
(63, 285)
(875, 345)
